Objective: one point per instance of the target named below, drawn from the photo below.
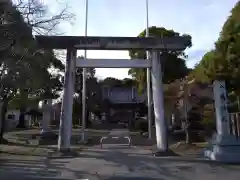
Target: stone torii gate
(73, 43)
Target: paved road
(112, 163)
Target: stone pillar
(224, 146)
(65, 129)
(221, 102)
(46, 118)
(158, 103)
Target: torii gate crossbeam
(113, 63)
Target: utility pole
(84, 79)
(149, 95)
(238, 103)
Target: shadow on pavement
(31, 168)
(17, 167)
(149, 167)
(112, 164)
(131, 178)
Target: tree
(36, 14)
(170, 59)
(114, 82)
(91, 82)
(24, 68)
(223, 62)
(208, 121)
(111, 82)
(228, 49)
(14, 35)
(93, 93)
(205, 69)
(172, 90)
(127, 82)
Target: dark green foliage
(170, 59)
(223, 62)
(141, 125)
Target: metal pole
(149, 95)
(1, 120)
(84, 78)
(238, 103)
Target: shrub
(75, 121)
(209, 124)
(209, 121)
(141, 125)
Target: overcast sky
(201, 19)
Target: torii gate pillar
(65, 127)
(158, 102)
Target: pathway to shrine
(112, 164)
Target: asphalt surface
(113, 162)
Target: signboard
(112, 43)
(120, 43)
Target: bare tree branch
(37, 15)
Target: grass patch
(25, 151)
(201, 144)
(188, 149)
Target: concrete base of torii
(224, 149)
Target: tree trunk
(187, 139)
(187, 132)
(188, 135)
(21, 123)
(24, 96)
(3, 111)
(88, 122)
